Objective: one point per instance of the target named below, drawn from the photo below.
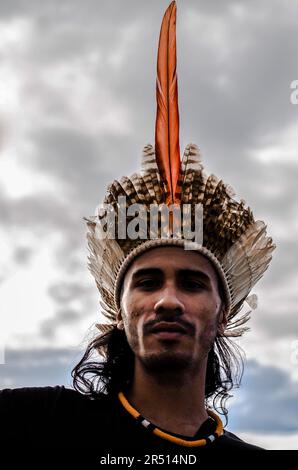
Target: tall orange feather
(167, 115)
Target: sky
(77, 106)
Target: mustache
(170, 318)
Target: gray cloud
(284, 266)
(283, 325)
(67, 291)
(65, 294)
(268, 401)
(79, 162)
(40, 212)
(65, 317)
(23, 254)
(257, 63)
(38, 367)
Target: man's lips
(168, 329)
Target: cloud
(23, 254)
(73, 305)
(267, 401)
(252, 99)
(273, 327)
(65, 317)
(286, 441)
(37, 367)
(64, 292)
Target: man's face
(171, 308)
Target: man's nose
(168, 300)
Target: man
(172, 300)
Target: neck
(174, 402)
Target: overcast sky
(77, 105)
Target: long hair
(115, 372)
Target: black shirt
(57, 419)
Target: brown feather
(167, 115)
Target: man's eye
(193, 285)
(147, 283)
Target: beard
(165, 361)
(170, 367)
(166, 366)
(169, 362)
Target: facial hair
(168, 362)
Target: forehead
(171, 258)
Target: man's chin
(166, 362)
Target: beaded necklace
(169, 437)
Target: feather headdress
(236, 244)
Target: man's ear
(119, 320)
(222, 320)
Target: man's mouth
(168, 330)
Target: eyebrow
(145, 272)
(186, 272)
